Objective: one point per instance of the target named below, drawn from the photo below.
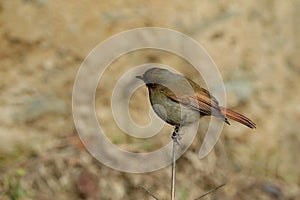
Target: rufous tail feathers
(237, 117)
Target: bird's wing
(199, 99)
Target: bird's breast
(169, 110)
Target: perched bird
(180, 101)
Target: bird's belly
(173, 112)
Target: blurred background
(255, 45)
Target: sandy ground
(255, 45)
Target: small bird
(180, 101)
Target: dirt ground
(255, 45)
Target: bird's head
(155, 76)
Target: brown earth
(255, 45)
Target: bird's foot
(176, 136)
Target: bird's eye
(150, 84)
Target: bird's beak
(139, 77)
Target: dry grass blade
(150, 193)
(210, 191)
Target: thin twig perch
(175, 138)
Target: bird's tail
(237, 117)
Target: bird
(180, 101)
